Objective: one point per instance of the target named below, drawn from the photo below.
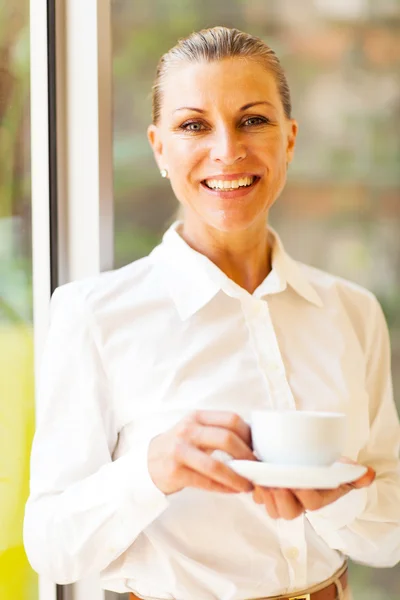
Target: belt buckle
(302, 597)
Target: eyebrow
(245, 107)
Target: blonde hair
(218, 43)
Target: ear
(292, 129)
(154, 137)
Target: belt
(332, 591)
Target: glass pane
(340, 210)
(17, 579)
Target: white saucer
(282, 476)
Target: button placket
(270, 359)
(252, 311)
(294, 549)
(277, 368)
(291, 533)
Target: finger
(226, 419)
(257, 495)
(197, 480)
(287, 505)
(316, 499)
(217, 438)
(216, 470)
(264, 496)
(365, 480)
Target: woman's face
(224, 140)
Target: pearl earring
(164, 173)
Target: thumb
(365, 480)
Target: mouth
(231, 186)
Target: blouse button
(292, 553)
(258, 308)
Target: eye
(192, 126)
(252, 121)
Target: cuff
(340, 513)
(138, 487)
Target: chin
(227, 222)
(237, 215)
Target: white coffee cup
(295, 437)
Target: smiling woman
(174, 353)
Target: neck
(244, 256)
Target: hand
(289, 504)
(180, 457)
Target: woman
(150, 369)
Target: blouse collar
(194, 280)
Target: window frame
(72, 191)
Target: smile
(231, 184)
(230, 187)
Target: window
(17, 579)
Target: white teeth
(233, 184)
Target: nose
(227, 146)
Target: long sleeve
(365, 524)
(84, 509)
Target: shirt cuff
(138, 486)
(340, 513)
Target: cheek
(184, 157)
(272, 150)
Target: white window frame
(40, 198)
(84, 171)
(84, 121)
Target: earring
(164, 173)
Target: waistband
(330, 589)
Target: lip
(232, 194)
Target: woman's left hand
(288, 504)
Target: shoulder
(328, 284)
(359, 304)
(106, 288)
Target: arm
(84, 510)
(365, 524)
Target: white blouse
(130, 352)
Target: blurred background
(340, 210)
(17, 580)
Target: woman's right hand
(180, 457)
